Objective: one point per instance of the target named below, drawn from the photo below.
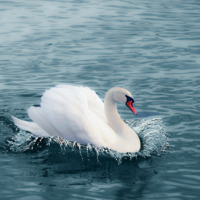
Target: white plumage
(77, 114)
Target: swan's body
(78, 114)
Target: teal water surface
(151, 48)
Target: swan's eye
(128, 99)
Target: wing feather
(74, 113)
(39, 117)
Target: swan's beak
(131, 107)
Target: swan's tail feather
(30, 126)
(40, 118)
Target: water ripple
(151, 132)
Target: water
(151, 48)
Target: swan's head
(124, 96)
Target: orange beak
(131, 107)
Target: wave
(151, 132)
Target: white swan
(78, 114)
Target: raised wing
(73, 113)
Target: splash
(151, 132)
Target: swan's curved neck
(112, 115)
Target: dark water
(151, 48)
